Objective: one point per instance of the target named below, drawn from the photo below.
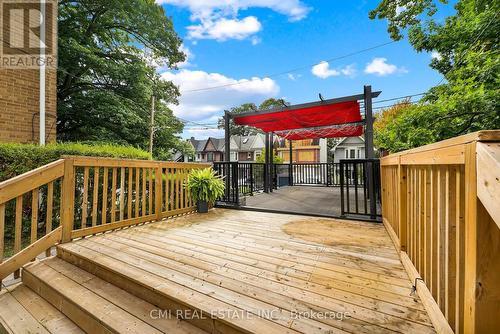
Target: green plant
(262, 158)
(16, 159)
(205, 185)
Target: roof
(246, 143)
(199, 145)
(343, 140)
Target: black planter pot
(202, 207)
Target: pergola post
(266, 165)
(290, 175)
(227, 151)
(369, 149)
(271, 162)
(369, 122)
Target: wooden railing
(79, 196)
(448, 238)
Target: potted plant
(205, 187)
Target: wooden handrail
(10, 189)
(488, 178)
(82, 196)
(440, 205)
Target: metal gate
(360, 188)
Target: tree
(262, 158)
(104, 85)
(466, 53)
(242, 130)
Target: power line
(399, 98)
(292, 70)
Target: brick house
(20, 91)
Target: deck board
(256, 262)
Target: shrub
(16, 159)
(205, 185)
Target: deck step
(23, 311)
(95, 305)
(207, 312)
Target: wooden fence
(441, 206)
(80, 196)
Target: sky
(241, 51)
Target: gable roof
(344, 139)
(246, 143)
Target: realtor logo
(28, 32)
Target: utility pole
(152, 125)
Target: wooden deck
(256, 272)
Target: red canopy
(312, 120)
(327, 132)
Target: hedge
(16, 159)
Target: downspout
(42, 72)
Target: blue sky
(239, 44)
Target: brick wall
(19, 87)
(19, 105)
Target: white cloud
(294, 9)
(204, 104)
(218, 19)
(224, 29)
(349, 70)
(323, 70)
(293, 77)
(380, 67)
(436, 55)
(189, 57)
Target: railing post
(158, 191)
(251, 179)
(342, 212)
(68, 200)
(402, 193)
(471, 233)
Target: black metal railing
(229, 170)
(360, 187)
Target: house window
(249, 156)
(235, 156)
(350, 153)
(203, 155)
(210, 157)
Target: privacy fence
(80, 196)
(441, 208)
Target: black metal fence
(359, 196)
(360, 187)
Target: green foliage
(467, 45)
(16, 159)
(105, 79)
(243, 130)
(205, 185)
(262, 158)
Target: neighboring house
(247, 148)
(208, 150)
(349, 148)
(303, 151)
(243, 148)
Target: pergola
(333, 118)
